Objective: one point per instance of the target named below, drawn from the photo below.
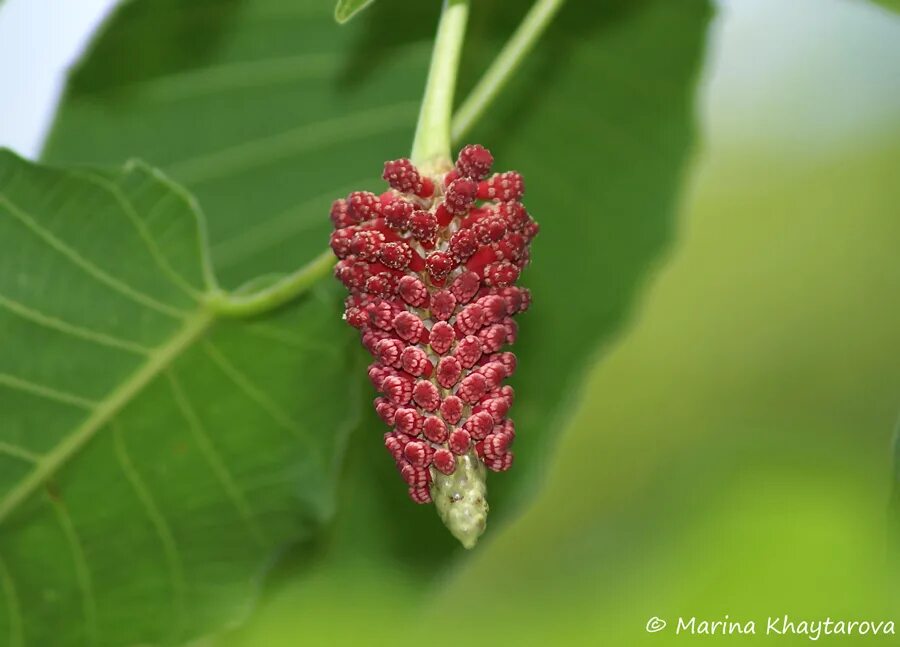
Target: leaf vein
(214, 460)
(270, 148)
(176, 278)
(160, 525)
(82, 572)
(18, 384)
(73, 330)
(85, 265)
(16, 623)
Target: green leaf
(151, 456)
(346, 9)
(269, 112)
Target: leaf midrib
(157, 361)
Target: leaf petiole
(504, 66)
(431, 144)
(232, 304)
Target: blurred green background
(731, 452)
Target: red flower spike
(439, 265)
(500, 464)
(431, 274)
(420, 495)
(500, 274)
(340, 241)
(492, 338)
(396, 389)
(402, 176)
(474, 161)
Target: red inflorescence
(431, 267)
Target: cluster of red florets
(430, 266)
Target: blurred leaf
(893, 5)
(152, 458)
(346, 9)
(267, 112)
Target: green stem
(431, 145)
(277, 294)
(501, 70)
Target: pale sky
(799, 72)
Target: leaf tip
(346, 9)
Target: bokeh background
(730, 448)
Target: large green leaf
(151, 456)
(267, 110)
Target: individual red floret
(414, 361)
(448, 372)
(389, 351)
(470, 389)
(397, 213)
(444, 460)
(463, 244)
(402, 175)
(423, 225)
(426, 395)
(502, 186)
(468, 351)
(396, 255)
(413, 291)
(459, 441)
(435, 429)
(408, 421)
(441, 337)
(442, 305)
(465, 286)
(474, 161)
(452, 409)
(460, 196)
(439, 265)
(408, 326)
(363, 205)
